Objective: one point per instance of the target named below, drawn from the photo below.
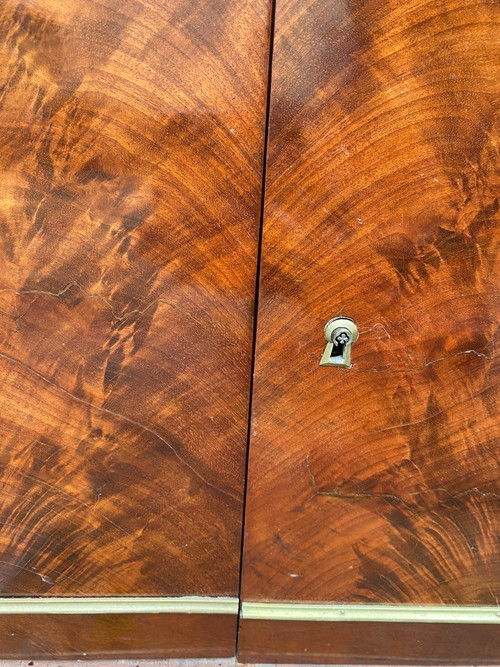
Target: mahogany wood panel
(131, 158)
(379, 483)
(368, 643)
(118, 636)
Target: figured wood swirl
(131, 158)
(379, 483)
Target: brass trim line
(120, 605)
(374, 613)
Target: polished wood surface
(369, 643)
(131, 160)
(379, 483)
(116, 636)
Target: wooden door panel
(131, 155)
(379, 482)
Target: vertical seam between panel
(256, 296)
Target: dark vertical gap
(256, 299)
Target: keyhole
(340, 338)
(337, 353)
(340, 333)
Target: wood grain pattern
(368, 643)
(379, 483)
(116, 636)
(131, 156)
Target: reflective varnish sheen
(131, 161)
(379, 483)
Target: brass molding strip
(120, 605)
(378, 613)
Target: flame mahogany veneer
(131, 170)
(379, 483)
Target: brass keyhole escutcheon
(340, 333)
